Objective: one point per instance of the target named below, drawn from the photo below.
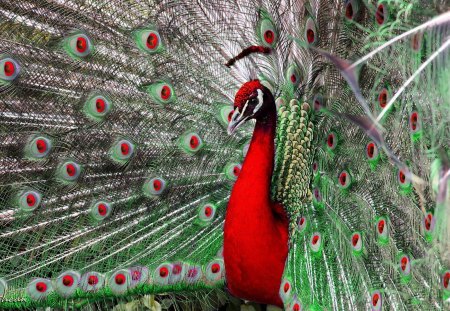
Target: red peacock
(118, 177)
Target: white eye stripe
(245, 107)
(260, 101)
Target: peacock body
(118, 176)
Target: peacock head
(252, 101)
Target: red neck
(256, 229)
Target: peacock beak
(236, 120)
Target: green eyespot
(29, 200)
(78, 45)
(122, 151)
(149, 40)
(38, 147)
(206, 213)
(9, 69)
(357, 243)
(97, 107)
(190, 142)
(225, 113)
(311, 35)
(154, 186)
(266, 30)
(69, 171)
(161, 92)
(293, 76)
(382, 229)
(232, 170)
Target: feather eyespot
(206, 213)
(266, 31)
(122, 151)
(315, 242)
(190, 142)
(29, 200)
(318, 102)
(148, 40)
(285, 290)
(382, 230)
(446, 280)
(383, 98)
(429, 222)
(38, 147)
(405, 265)
(9, 69)
(332, 141)
(69, 171)
(119, 281)
(414, 122)
(382, 13)
(232, 170)
(101, 210)
(193, 274)
(214, 270)
(345, 179)
(161, 92)
(302, 223)
(154, 186)
(92, 281)
(97, 107)
(78, 45)
(371, 151)
(162, 274)
(404, 178)
(67, 283)
(39, 288)
(293, 75)
(376, 301)
(311, 32)
(356, 242)
(138, 275)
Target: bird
(291, 152)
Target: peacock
(292, 152)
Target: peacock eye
(78, 45)
(376, 300)
(29, 200)
(356, 242)
(214, 270)
(38, 147)
(318, 102)
(429, 222)
(344, 179)
(315, 242)
(404, 265)
(332, 141)
(193, 274)
(162, 274)
(293, 75)
(225, 114)
(382, 230)
(190, 142)
(122, 150)
(382, 13)
(232, 170)
(371, 151)
(161, 92)
(119, 281)
(67, 283)
(383, 98)
(414, 122)
(352, 9)
(97, 107)
(295, 305)
(9, 69)
(285, 290)
(101, 210)
(317, 195)
(92, 281)
(315, 167)
(311, 35)
(445, 280)
(139, 274)
(149, 40)
(206, 213)
(69, 171)
(267, 32)
(302, 223)
(39, 288)
(416, 41)
(404, 178)
(154, 186)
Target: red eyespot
(194, 142)
(315, 167)
(124, 148)
(67, 280)
(157, 184)
(330, 140)
(152, 41)
(446, 279)
(315, 239)
(296, 307)
(293, 79)
(349, 11)
(31, 199)
(215, 268)
(269, 36)
(317, 105)
(92, 280)
(102, 209)
(236, 170)
(71, 170)
(120, 279)
(428, 221)
(401, 176)
(413, 121)
(381, 225)
(375, 299)
(165, 92)
(163, 272)
(192, 273)
(380, 14)
(370, 150)
(9, 68)
(317, 194)
(41, 287)
(403, 263)
(136, 275)
(343, 178)
(100, 105)
(286, 287)
(41, 145)
(230, 115)
(208, 211)
(382, 98)
(310, 35)
(355, 239)
(176, 269)
(81, 44)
